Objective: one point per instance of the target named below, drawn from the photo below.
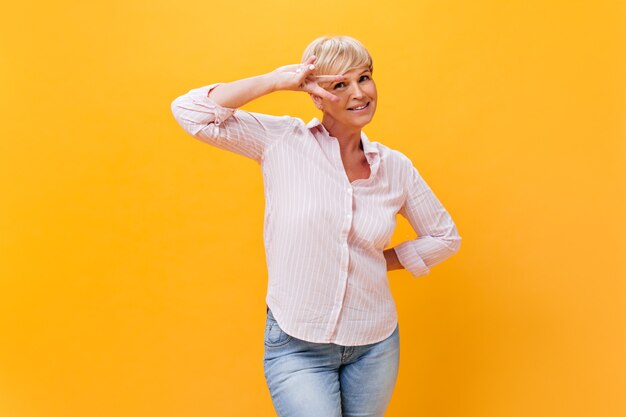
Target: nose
(357, 92)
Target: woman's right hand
(301, 77)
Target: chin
(364, 121)
(362, 124)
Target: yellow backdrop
(132, 266)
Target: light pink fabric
(324, 236)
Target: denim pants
(307, 379)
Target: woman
(332, 195)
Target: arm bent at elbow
(438, 238)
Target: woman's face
(356, 91)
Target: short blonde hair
(337, 54)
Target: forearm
(237, 93)
(296, 77)
(392, 259)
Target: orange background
(131, 255)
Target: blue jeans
(308, 379)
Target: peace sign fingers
(319, 91)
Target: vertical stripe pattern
(324, 236)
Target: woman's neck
(349, 137)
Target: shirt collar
(369, 148)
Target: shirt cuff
(221, 113)
(410, 259)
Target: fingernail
(311, 67)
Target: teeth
(360, 108)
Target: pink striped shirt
(324, 236)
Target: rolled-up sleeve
(438, 238)
(245, 133)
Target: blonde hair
(337, 54)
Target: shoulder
(403, 167)
(291, 123)
(394, 156)
(298, 123)
(257, 122)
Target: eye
(338, 85)
(365, 76)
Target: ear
(317, 100)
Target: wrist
(392, 260)
(270, 82)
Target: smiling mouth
(360, 108)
